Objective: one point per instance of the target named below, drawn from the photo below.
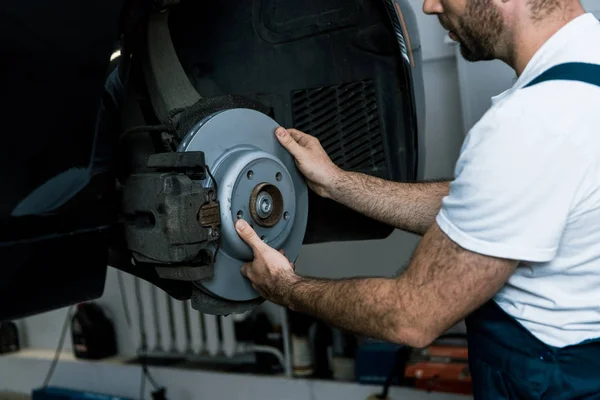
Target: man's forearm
(369, 307)
(407, 206)
(442, 285)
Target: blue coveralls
(505, 359)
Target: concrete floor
(13, 396)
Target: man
(512, 244)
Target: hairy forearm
(408, 206)
(372, 307)
(442, 284)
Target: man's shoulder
(559, 103)
(548, 109)
(517, 117)
(525, 128)
(563, 103)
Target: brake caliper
(170, 218)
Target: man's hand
(311, 159)
(408, 206)
(271, 274)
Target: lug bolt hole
(278, 176)
(250, 174)
(240, 214)
(263, 238)
(286, 215)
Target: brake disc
(256, 180)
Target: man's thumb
(288, 142)
(248, 235)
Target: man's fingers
(296, 134)
(244, 269)
(302, 138)
(288, 141)
(249, 236)
(291, 263)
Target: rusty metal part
(276, 210)
(210, 215)
(191, 163)
(160, 212)
(171, 219)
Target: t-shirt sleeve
(513, 189)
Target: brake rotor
(256, 180)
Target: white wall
(592, 6)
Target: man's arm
(408, 206)
(442, 284)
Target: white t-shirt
(527, 187)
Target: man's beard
(480, 31)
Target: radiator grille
(164, 327)
(345, 118)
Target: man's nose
(432, 7)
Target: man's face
(477, 25)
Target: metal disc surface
(257, 180)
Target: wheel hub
(267, 205)
(264, 205)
